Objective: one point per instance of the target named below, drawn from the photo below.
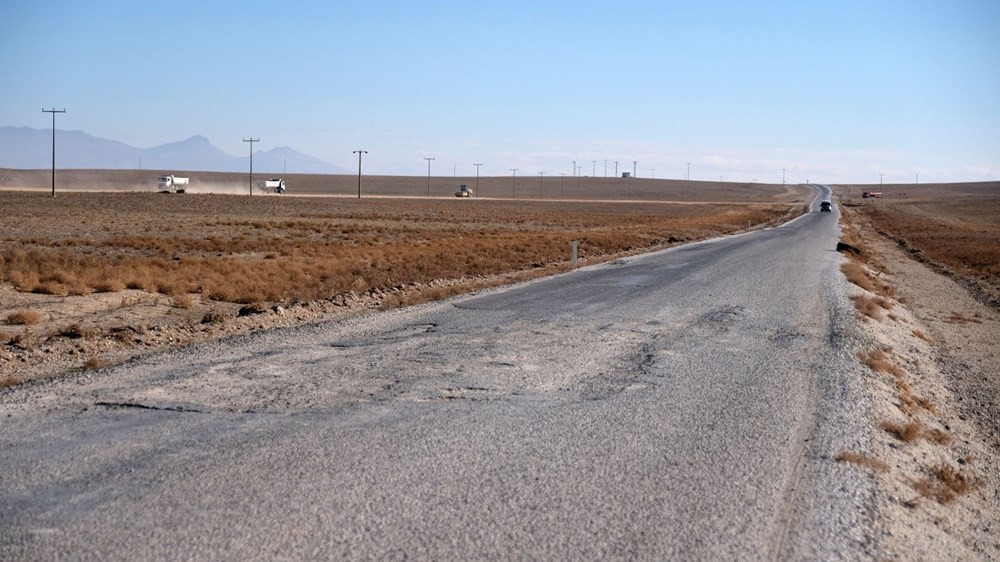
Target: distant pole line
(634, 162)
(359, 153)
(429, 175)
(477, 176)
(513, 187)
(53, 111)
(251, 140)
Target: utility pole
(616, 168)
(579, 172)
(653, 173)
(593, 171)
(605, 167)
(359, 153)
(687, 176)
(477, 177)
(634, 162)
(513, 188)
(783, 177)
(574, 167)
(540, 176)
(53, 111)
(429, 175)
(562, 183)
(880, 179)
(251, 140)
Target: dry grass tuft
(216, 315)
(23, 318)
(868, 306)
(75, 331)
(914, 430)
(908, 433)
(94, 363)
(855, 273)
(880, 361)
(183, 300)
(11, 380)
(861, 460)
(920, 334)
(946, 484)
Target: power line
(429, 175)
(359, 153)
(53, 112)
(251, 141)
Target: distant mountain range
(27, 148)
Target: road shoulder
(931, 352)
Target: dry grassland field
(93, 276)
(955, 227)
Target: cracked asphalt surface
(665, 406)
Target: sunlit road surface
(658, 407)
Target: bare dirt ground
(90, 278)
(492, 187)
(935, 372)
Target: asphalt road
(666, 406)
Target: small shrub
(215, 315)
(23, 318)
(923, 336)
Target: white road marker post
(575, 245)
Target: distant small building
(626, 174)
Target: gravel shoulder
(939, 491)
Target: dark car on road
(825, 207)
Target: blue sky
(831, 91)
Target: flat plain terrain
(955, 227)
(93, 275)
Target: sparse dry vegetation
(861, 460)
(945, 484)
(23, 318)
(952, 226)
(247, 250)
(913, 431)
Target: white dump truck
(172, 184)
(277, 185)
